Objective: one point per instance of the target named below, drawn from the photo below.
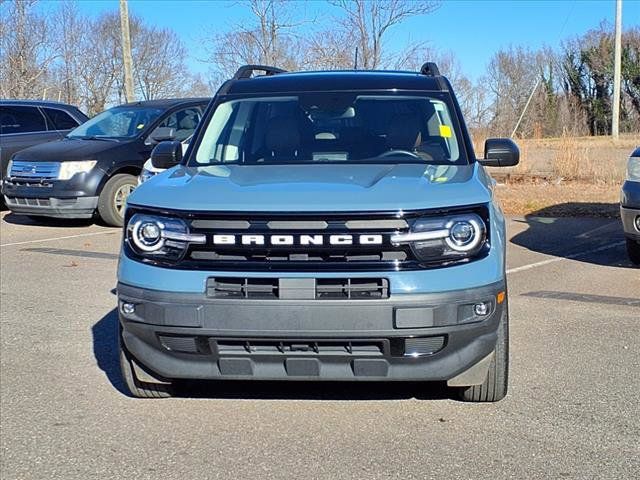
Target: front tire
(137, 387)
(494, 387)
(113, 198)
(633, 251)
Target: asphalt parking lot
(572, 410)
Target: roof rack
(430, 69)
(246, 71)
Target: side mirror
(161, 134)
(166, 155)
(500, 152)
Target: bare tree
(366, 22)
(512, 74)
(268, 40)
(159, 62)
(25, 52)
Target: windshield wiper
(93, 137)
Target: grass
(589, 160)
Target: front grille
(300, 289)
(299, 347)
(29, 202)
(34, 170)
(231, 287)
(311, 257)
(245, 242)
(303, 347)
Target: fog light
(128, 308)
(482, 309)
(637, 222)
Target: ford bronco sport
(321, 226)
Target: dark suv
(24, 123)
(95, 167)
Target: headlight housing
(145, 175)
(159, 237)
(69, 169)
(633, 169)
(442, 239)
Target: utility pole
(615, 122)
(524, 110)
(126, 51)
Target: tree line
(77, 59)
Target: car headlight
(445, 238)
(155, 236)
(69, 169)
(633, 169)
(145, 175)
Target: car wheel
(633, 250)
(137, 387)
(113, 198)
(494, 387)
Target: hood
(313, 188)
(67, 149)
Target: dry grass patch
(564, 200)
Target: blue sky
(472, 30)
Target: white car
(148, 170)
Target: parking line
(52, 239)
(567, 257)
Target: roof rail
(247, 70)
(430, 69)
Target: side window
(59, 119)
(183, 122)
(18, 119)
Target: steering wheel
(392, 153)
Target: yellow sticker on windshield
(445, 131)
(141, 126)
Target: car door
(21, 126)
(60, 120)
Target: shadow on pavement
(105, 350)
(37, 221)
(589, 239)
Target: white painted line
(588, 233)
(53, 239)
(568, 257)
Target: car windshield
(332, 127)
(117, 122)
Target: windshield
(117, 122)
(331, 127)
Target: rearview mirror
(162, 134)
(500, 152)
(166, 155)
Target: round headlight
(147, 235)
(462, 233)
(465, 234)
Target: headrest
(188, 122)
(282, 135)
(404, 132)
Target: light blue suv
(320, 226)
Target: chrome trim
(401, 238)
(31, 170)
(184, 237)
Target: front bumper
(82, 207)
(431, 337)
(630, 208)
(74, 198)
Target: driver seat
(404, 132)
